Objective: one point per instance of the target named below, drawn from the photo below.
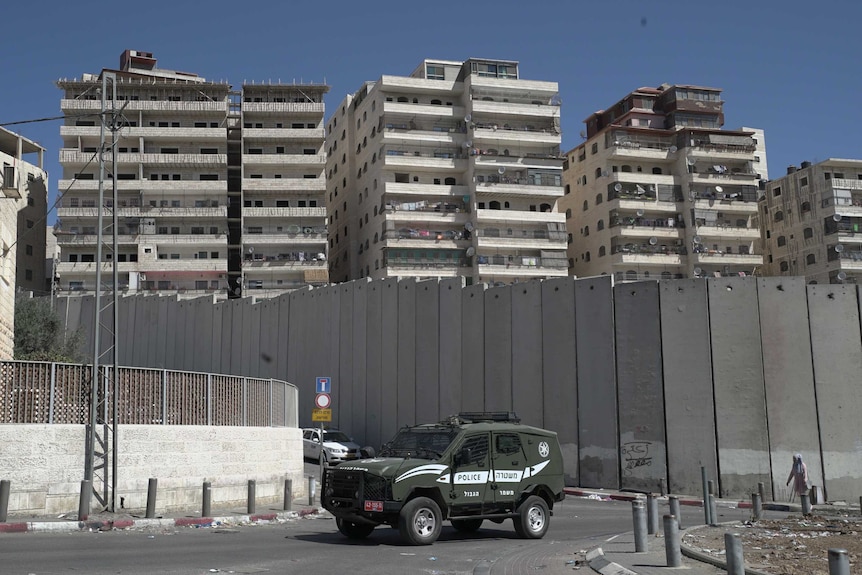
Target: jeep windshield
(425, 443)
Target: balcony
(284, 159)
(719, 257)
(426, 190)
(164, 133)
(74, 239)
(515, 265)
(425, 268)
(425, 238)
(271, 212)
(219, 212)
(398, 135)
(845, 184)
(300, 238)
(160, 265)
(408, 109)
(718, 174)
(71, 157)
(282, 134)
(519, 216)
(486, 160)
(503, 135)
(721, 152)
(534, 239)
(285, 185)
(196, 107)
(727, 231)
(303, 108)
(515, 109)
(453, 212)
(643, 148)
(424, 160)
(648, 253)
(176, 186)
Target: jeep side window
(477, 447)
(507, 443)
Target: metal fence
(44, 392)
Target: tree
(40, 333)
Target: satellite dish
(698, 271)
(294, 229)
(640, 213)
(696, 239)
(471, 251)
(690, 161)
(468, 117)
(618, 187)
(250, 249)
(468, 226)
(501, 170)
(839, 248)
(653, 241)
(605, 173)
(673, 149)
(837, 217)
(719, 189)
(469, 143)
(583, 135)
(842, 276)
(556, 100)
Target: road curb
(597, 562)
(689, 501)
(709, 559)
(122, 524)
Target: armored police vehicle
(466, 469)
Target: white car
(337, 446)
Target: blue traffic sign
(324, 385)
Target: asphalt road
(313, 546)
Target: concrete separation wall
(642, 381)
(45, 464)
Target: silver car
(337, 446)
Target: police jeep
(465, 469)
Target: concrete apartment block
(659, 190)
(451, 171)
(219, 191)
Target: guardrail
(46, 392)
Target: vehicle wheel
(353, 530)
(467, 525)
(532, 520)
(420, 521)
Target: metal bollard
(761, 490)
(5, 486)
(673, 507)
(206, 507)
(756, 506)
(640, 525)
(671, 542)
(713, 516)
(806, 504)
(662, 487)
(706, 518)
(733, 553)
(288, 494)
(252, 503)
(839, 562)
(84, 501)
(311, 489)
(652, 513)
(152, 488)
(711, 485)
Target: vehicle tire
(466, 525)
(420, 521)
(532, 519)
(353, 530)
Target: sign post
(322, 412)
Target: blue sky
(789, 67)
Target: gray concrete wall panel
(227, 337)
(599, 460)
(473, 341)
(268, 338)
(427, 351)
(559, 368)
(788, 376)
(190, 334)
(498, 349)
(245, 310)
(528, 391)
(254, 335)
(172, 358)
(126, 334)
(87, 311)
(449, 369)
(740, 396)
(406, 414)
(643, 450)
(359, 342)
(300, 302)
(834, 309)
(389, 367)
(157, 312)
(282, 355)
(203, 326)
(344, 304)
(688, 396)
(373, 365)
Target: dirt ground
(795, 545)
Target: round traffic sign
(322, 400)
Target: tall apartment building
(23, 199)
(453, 170)
(218, 191)
(659, 190)
(812, 222)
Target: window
(598, 173)
(784, 266)
(598, 199)
(28, 275)
(810, 259)
(778, 217)
(601, 251)
(600, 225)
(29, 250)
(568, 189)
(209, 150)
(586, 205)
(806, 207)
(595, 148)
(586, 230)
(776, 191)
(803, 182)
(782, 241)
(656, 170)
(569, 214)
(808, 233)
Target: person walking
(799, 476)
